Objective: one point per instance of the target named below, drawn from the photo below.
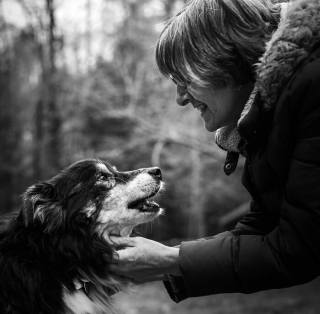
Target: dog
(55, 252)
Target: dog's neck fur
(98, 300)
(124, 231)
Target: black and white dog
(55, 252)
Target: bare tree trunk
(196, 224)
(54, 118)
(6, 138)
(10, 131)
(38, 147)
(88, 32)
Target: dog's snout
(155, 171)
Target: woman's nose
(183, 97)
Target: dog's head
(91, 192)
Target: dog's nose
(155, 171)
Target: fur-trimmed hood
(297, 34)
(290, 45)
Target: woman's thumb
(122, 242)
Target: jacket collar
(290, 45)
(228, 137)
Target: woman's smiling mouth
(201, 108)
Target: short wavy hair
(210, 41)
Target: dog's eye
(109, 182)
(102, 178)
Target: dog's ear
(40, 204)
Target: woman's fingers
(114, 265)
(122, 241)
(123, 259)
(142, 259)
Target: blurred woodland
(78, 79)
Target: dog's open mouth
(144, 205)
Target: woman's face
(217, 108)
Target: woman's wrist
(172, 261)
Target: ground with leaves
(153, 299)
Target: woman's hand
(144, 260)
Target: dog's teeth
(144, 205)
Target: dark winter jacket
(277, 244)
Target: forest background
(78, 79)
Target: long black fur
(41, 252)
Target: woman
(254, 76)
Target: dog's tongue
(148, 206)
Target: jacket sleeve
(175, 285)
(290, 253)
(253, 223)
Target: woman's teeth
(202, 108)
